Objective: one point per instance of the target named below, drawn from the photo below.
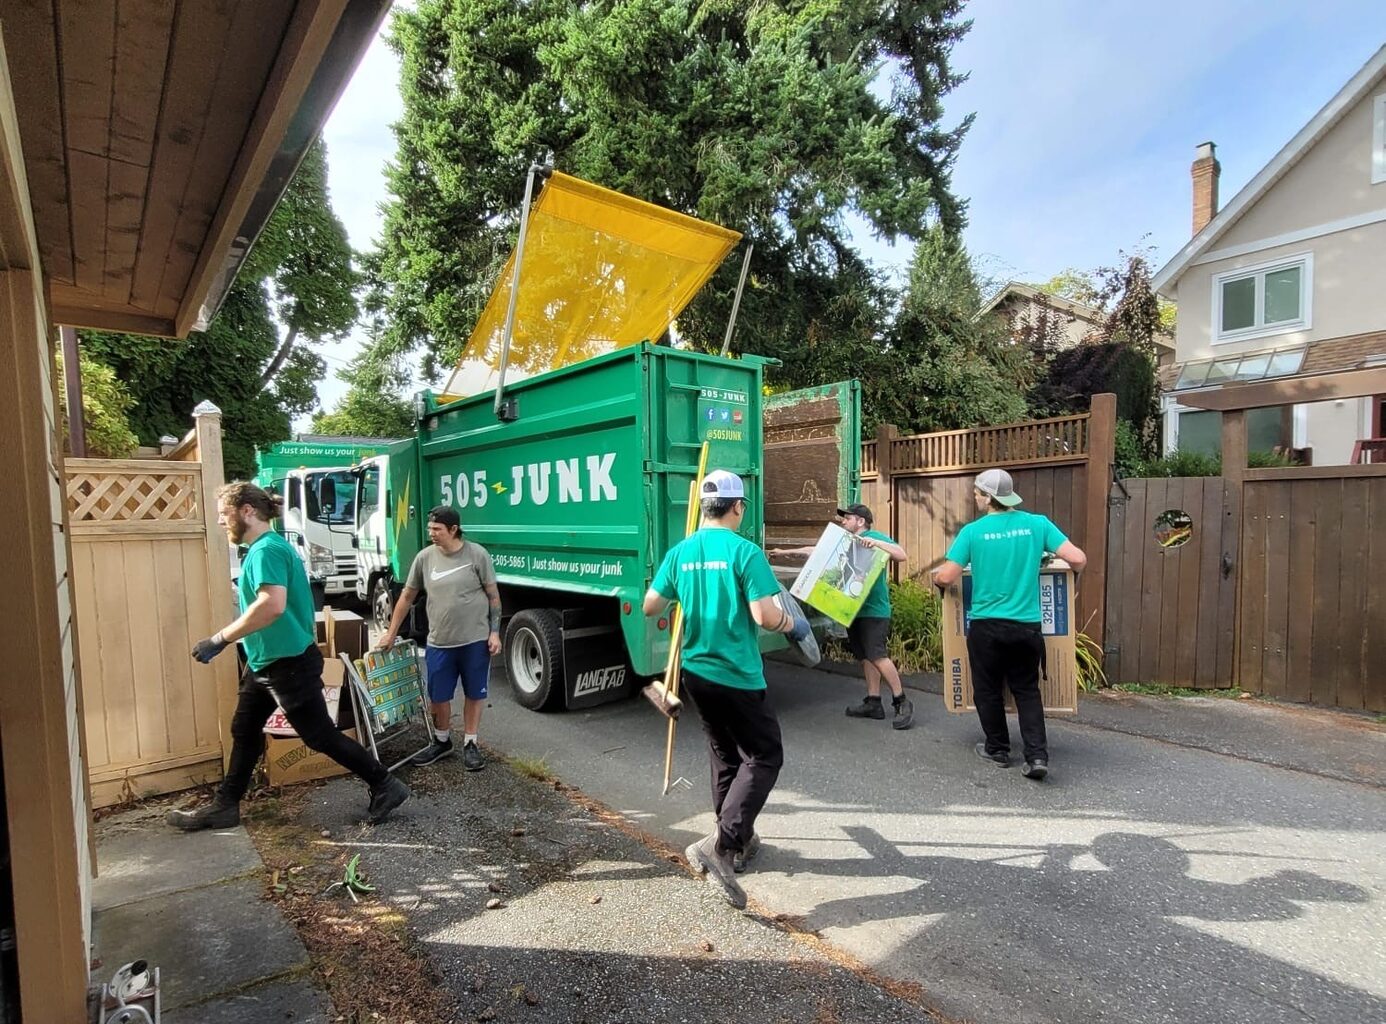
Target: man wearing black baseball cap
(869, 632)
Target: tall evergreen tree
(776, 118)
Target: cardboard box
(343, 631)
(839, 574)
(288, 761)
(1058, 684)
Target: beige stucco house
(1284, 283)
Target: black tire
(533, 654)
(382, 603)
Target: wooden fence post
(885, 485)
(1101, 459)
(207, 426)
(1234, 450)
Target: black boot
(385, 798)
(222, 812)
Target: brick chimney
(1205, 172)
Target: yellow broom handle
(671, 667)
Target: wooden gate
(149, 579)
(1170, 610)
(1313, 589)
(920, 487)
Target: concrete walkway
(191, 905)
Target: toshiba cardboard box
(288, 760)
(1059, 681)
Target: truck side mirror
(327, 495)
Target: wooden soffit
(158, 136)
(1323, 387)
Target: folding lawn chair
(390, 696)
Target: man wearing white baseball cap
(1004, 642)
(726, 588)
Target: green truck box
(581, 491)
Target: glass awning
(1204, 373)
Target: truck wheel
(534, 658)
(382, 603)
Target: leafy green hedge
(916, 634)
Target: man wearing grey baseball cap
(1004, 642)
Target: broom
(664, 694)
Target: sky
(1087, 115)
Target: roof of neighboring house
(1028, 291)
(1081, 310)
(1332, 112)
(1332, 354)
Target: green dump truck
(312, 473)
(570, 460)
(578, 497)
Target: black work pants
(1003, 652)
(743, 746)
(294, 684)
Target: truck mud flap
(596, 669)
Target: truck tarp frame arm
(544, 169)
(736, 302)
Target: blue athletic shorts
(470, 663)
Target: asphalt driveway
(1144, 881)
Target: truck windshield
(343, 509)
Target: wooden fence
(1312, 622)
(1278, 593)
(1171, 611)
(149, 579)
(920, 487)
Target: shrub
(1178, 463)
(916, 636)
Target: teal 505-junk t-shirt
(712, 575)
(1004, 549)
(269, 561)
(877, 603)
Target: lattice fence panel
(133, 496)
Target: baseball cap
(857, 510)
(997, 483)
(721, 484)
(444, 515)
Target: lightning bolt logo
(402, 507)
(499, 487)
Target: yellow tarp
(601, 271)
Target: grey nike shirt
(455, 584)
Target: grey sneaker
(704, 858)
(1036, 769)
(870, 707)
(385, 798)
(904, 713)
(745, 855)
(435, 751)
(472, 759)
(220, 813)
(1000, 760)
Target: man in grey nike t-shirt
(464, 614)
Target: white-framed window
(1269, 298)
(1379, 139)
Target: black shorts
(867, 636)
